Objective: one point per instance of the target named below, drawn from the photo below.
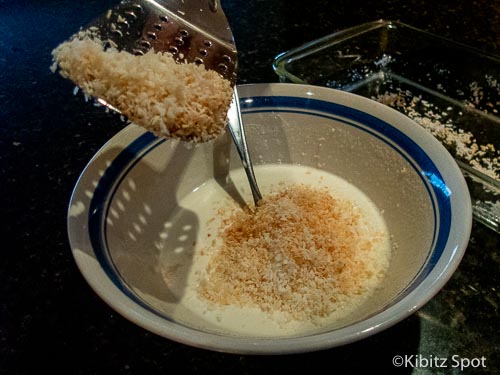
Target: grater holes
(122, 22)
(227, 59)
(203, 52)
(116, 32)
(198, 61)
(138, 52)
(145, 44)
(158, 26)
(184, 33)
(136, 7)
(179, 41)
(163, 18)
(173, 50)
(223, 67)
(107, 45)
(130, 15)
(152, 35)
(213, 5)
(207, 43)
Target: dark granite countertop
(51, 320)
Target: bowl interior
(142, 230)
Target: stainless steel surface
(193, 31)
(235, 125)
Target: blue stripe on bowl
(438, 191)
(429, 172)
(100, 204)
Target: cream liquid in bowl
(184, 265)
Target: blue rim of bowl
(125, 161)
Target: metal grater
(193, 31)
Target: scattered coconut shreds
(483, 158)
(301, 253)
(184, 101)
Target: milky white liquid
(184, 267)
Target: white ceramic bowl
(126, 210)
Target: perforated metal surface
(194, 31)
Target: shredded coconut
(184, 101)
(462, 144)
(302, 252)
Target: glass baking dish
(448, 88)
